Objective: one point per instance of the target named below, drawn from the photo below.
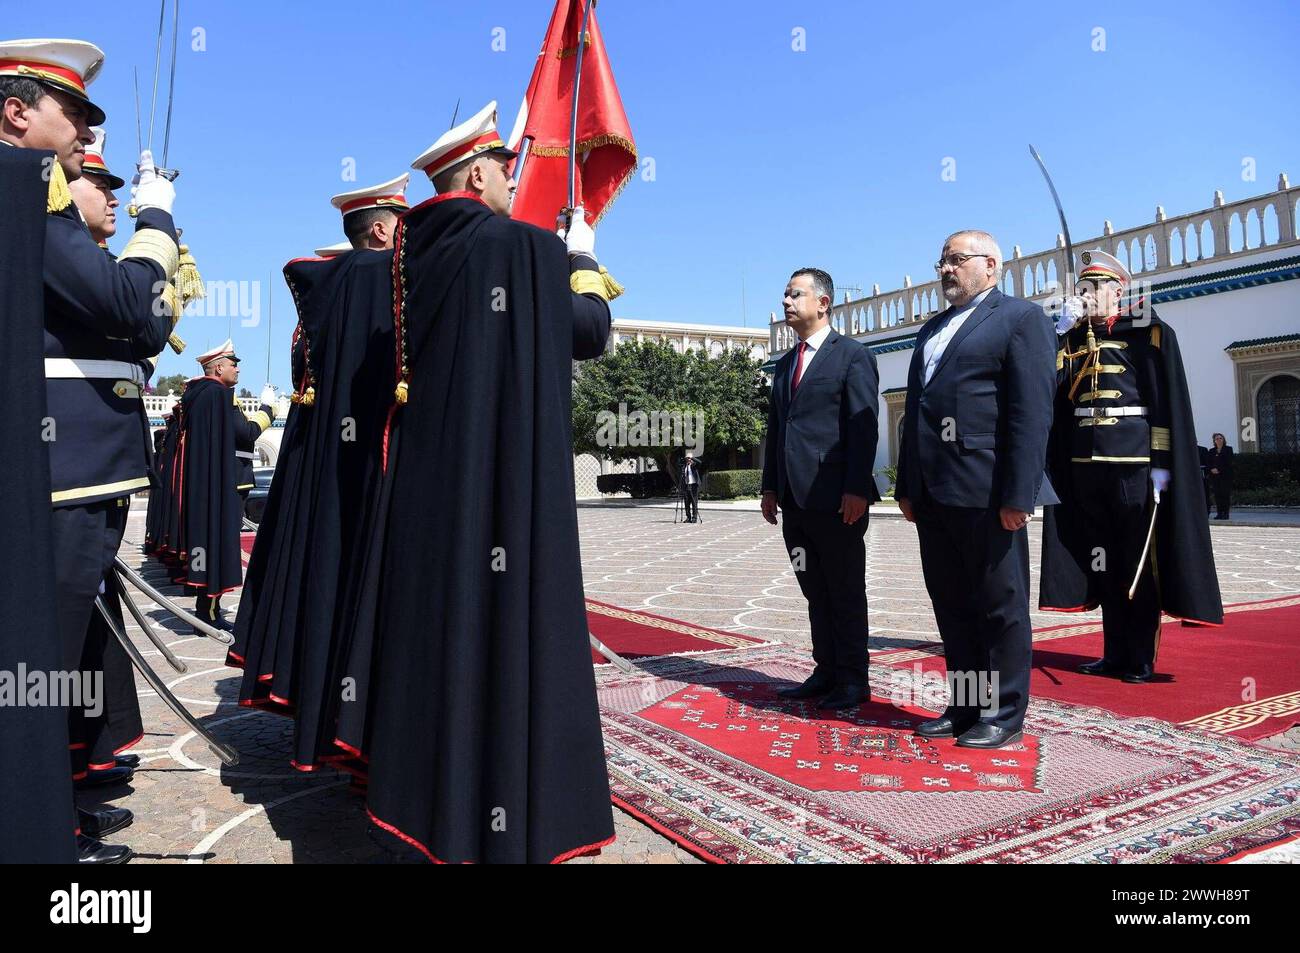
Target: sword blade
(1146, 547)
(147, 627)
(171, 82)
(157, 67)
(139, 138)
(135, 579)
(227, 754)
(1065, 228)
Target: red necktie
(798, 367)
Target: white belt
(1110, 411)
(245, 454)
(66, 367)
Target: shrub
(730, 484)
(641, 486)
(1258, 471)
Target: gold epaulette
(260, 418)
(602, 283)
(1160, 439)
(1155, 335)
(60, 196)
(156, 246)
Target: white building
(682, 336)
(1222, 277)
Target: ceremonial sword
(168, 174)
(227, 754)
(202, 628)
(1065, 229)
(147, 627)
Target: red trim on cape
(559, 859)
(130, 744)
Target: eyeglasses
(956, 261)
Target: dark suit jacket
(821, 443)
(976, 435)
(1220, 460)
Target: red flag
(606, 152)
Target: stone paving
(729, 572)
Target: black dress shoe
(1138, 676)
(984, 735)
(844, 697)
(105, 777)
(1100, 667)
(814, 686)
(91, 851)
(107, 820)
(131, 761)
(941, 727)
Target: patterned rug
(636, 634)
(701, 749)
(1241, 678)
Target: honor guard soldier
(103, 320)
(489, 315)
(1130, 533)
(117, 726)
(216, 458)
(370, 215)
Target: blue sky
(765, 157)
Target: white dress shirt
(938, 342)
(814, 343)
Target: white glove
(1159, 481)
(148, 188)
(1072, 309)
(268, 396)
(581, 238)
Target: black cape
(36, 797)
(485, 741)
(160, 533)
(210, 506)
(1182, 553)
(288, 636)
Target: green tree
(727, 395)
(172, 382)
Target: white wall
(1205, 326)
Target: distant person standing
(690, 484)
(1220, 470)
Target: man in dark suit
(690, 487)
(821, 443)
(979, 410)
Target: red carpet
(700, 748)
(634, 634)
(1241, 679)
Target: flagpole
(573, 123)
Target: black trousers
(1113, 500)
(86, 540)
(1222, 488)
(830, 562)
(977, 575)
(691, 496)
